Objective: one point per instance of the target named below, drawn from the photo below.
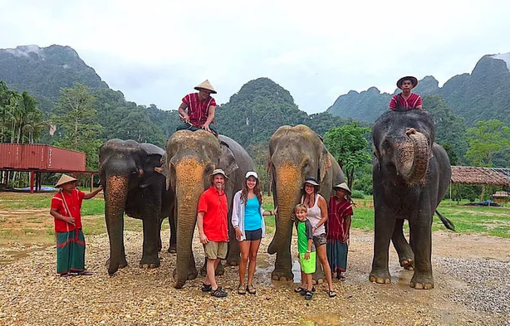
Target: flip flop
(331, 293)
(86, 273)
(251, 289)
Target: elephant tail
(447, 223)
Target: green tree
(486, 139)
(76, 116)
(348, 144)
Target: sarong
(337, 255)
(70, 252)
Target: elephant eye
(209, 169)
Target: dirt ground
(471, 279)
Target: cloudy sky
(156, 51)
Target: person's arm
(324, 213)
(200, 223)
(348, 220)
(235, 215)
(393, 103)
(419, 104)
(182, 112)
(309, 235)
(210, 117)
(58, 216)
(93, 194)
(309, 249)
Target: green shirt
(304, 232)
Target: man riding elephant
(200, 109)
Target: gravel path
(470, 274)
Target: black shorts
(253, 235)
(320, 240)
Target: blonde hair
(300, 207)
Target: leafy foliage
(487, 139)
(349, 144)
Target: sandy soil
(470, 274)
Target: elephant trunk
(189, 186)
(115, 197)
(414, 156)
(288, 186)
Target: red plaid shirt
(412, 101)
(198, 110)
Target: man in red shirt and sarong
(66, 210)
(200, 109)
(213, 229)
(406, 100)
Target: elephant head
(124, 166)
(190, 159)
(402, 143)
(296, 153)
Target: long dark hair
(256, 191)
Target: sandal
(241, 290)
(219, 293)
(206, 287)
(303, 291)
(86, 273)
(308, 295)
(331, 293)
(251, 289)
(299, 289)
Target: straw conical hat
(64, 179)
(206, 85)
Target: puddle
(8, 256)
(265, 265)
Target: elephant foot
(380, 277)
(122, 264)
(233, 262)
(282, 275)
(172, 250)
(149, 263)
(407, 263)
(422, 282)
(318, 277)
(192, 274)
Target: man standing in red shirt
(200, 109)
(66, 210)
(213, 229)
(406, 100)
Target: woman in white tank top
(318, 215)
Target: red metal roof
(40, 157)
(479, 175)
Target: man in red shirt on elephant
(406, 100)
(200, 109)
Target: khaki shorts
(216, 250)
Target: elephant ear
(152, 165)
(324, 163)
(227, 160)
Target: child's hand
(307, 256)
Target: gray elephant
(410, 176)
(296, 153)
(190, 159)
(132, 185)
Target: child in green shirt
(306, 249)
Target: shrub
(358, 194)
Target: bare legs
(323, 258)
(249, 250)
(210, 278)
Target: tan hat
(219, 171)
(207, 86)
(413, 80)
(64, 179)
(343, 186)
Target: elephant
(191, 156)
(296, 153)
(411, 174)
(128, 174)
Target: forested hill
(260, 107)
(482, 95)
(44, 71)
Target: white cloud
(156, 51)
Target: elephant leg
(283, 265)
(234, 250)
(173, 236)
(159, 243)
(405, 253)
(421, 242)
(151, 226)
(384, 226)
(192, 269)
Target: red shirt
(214, 204)
(198, 110)
(412, 101)
(337, 223)
(73, 201)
